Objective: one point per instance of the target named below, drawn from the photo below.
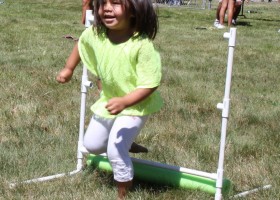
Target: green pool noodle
(164, 176)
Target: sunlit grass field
(39, 118)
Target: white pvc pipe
(89, 18)
(243, 194)
(47, 178)
(85, 83)
(225, 112)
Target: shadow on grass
(106, 178)
(265, 19)
(242, 23)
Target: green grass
(39, 118)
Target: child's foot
(136, 148)
(123, 188)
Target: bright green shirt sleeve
(86, 50)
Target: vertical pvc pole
(85, 83)
(225, 111)
(82, 117)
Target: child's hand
(116, 105)
(64, 75)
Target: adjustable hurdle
(156, 172)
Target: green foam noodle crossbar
(164, 176)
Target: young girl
(119, 51)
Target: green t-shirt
(122, 68)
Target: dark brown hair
(144, 19)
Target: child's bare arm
(73, 60)
(99, 84)
(118, 104)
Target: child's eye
(116, 1)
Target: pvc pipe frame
(223, 106)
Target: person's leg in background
(230, 11)
(222, 14)
(237, 9)
(227, 6)
(217, 22)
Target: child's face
(114, 15)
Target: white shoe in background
(220, 26)
(216, 23)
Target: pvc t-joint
(231, 35)
(220, 106)
(88, 84)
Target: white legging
(115, 137)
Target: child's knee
(95, 148)
(118, 150)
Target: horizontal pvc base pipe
(164, 176)
(46, 178)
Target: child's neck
(119, 36)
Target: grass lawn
(39, 118)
